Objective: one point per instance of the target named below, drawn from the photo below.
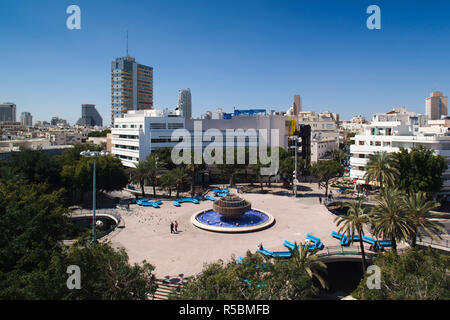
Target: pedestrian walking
(320, 200)
(175, 226)
(171, 227)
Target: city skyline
(234, 59)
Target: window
(361, 143)
(175, 125)
(156, 125)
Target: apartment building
(131, 87)
(392, 131)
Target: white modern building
(389, 132)
(138, 133)
(134, 136)
(324, 132)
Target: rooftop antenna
(127, 45)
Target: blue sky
(247, 53)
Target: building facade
(7, 112)
(138, 133)
(389, 133)
(131, 87)
(90, 116)
(26, 119)
(185, 102)
(436, 105)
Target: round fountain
(232, 214)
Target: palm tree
(257, 170)
(381, 169)
(417, 210)
(193, 169)
(390, 218)
(179, 175)
(168, 181)
(155, 167)
(353, 223)
(140, 174)
(307, 261)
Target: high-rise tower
(436, 105)
(185, 102)
(131, 86)
(297, 105)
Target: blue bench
(373, 242)
(143, 202)
(345, 241)
(178, 202)
(385, 243)
(292, 246)
(336, 235)
(316, 241)
(275, 254)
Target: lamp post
(294, 176)
(95, 155)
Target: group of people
(174, 227)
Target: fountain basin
(252, 220)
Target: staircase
(164, 288)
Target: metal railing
(342, 251)
(440, 242)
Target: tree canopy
(419, 170)
(417, 274)
(325, 170)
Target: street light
(295, 164)
(95, 155)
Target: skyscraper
(436, 105)
(26, 119)
(185, 102)
(131, 86)
(297, 105)
(8, 112)
(90, 116)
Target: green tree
(168, 181)
(353, 223)
(339, 155)
(287, 167)
(180, 176)
(35, 166)
(111, 175)
(325, 170)
(165, 155)
(102, 133)
(155, 168)
(419, 170)
(193, 170)
(418, 209)
(382, 169)
(390, 218)
(140, 175)
(417, 274)
(230, 170)
(31, 221)
(254, 278)
(305, 260)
